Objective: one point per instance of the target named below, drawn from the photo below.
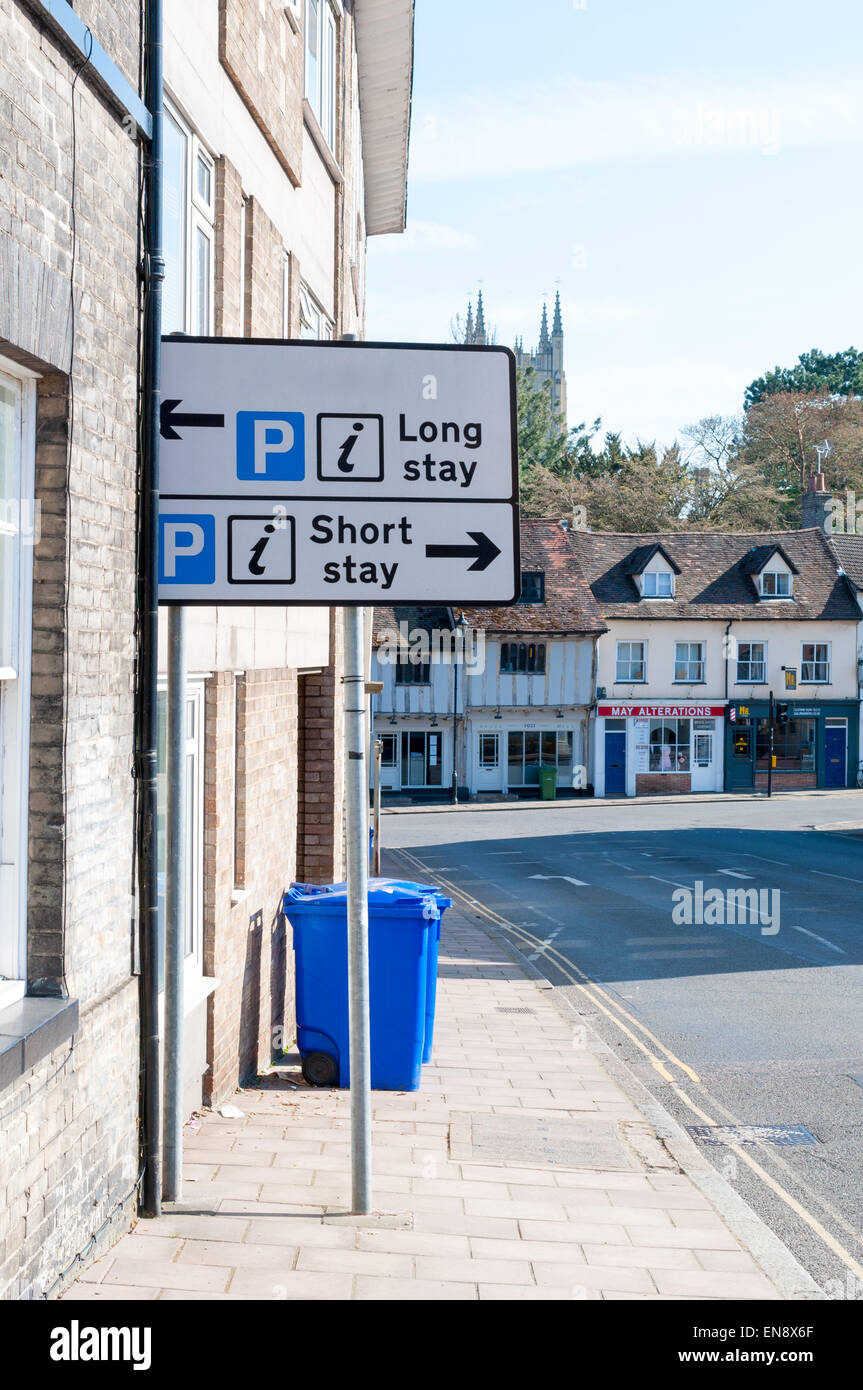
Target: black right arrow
(482, 552)
(169, 422)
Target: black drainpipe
(148, 655)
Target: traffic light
(782, 714)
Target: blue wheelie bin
(434, 949)
(400, 924)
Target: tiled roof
(713, 581)
(429, 619)
(849, 551)
(569, 605)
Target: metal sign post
(338, 474)
(356, 818)
(175, 908)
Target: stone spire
(544, 340)
(557, 326)
(468, 327)
(480, 319)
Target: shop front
(505, 755)
(415, 759)
(814, 745)
(655, 749)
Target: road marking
(571, 971)
(672, 940)
(844, 877)
(691, 954)
(673, 881)
(822, 939)
(732, 873)
(576, 882)
(830, 1241)
(784, 862)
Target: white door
(703, 756)
(487, 771)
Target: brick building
(285, 146)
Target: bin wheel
(320, 1069)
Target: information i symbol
(343, 464)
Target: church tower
(546, 361)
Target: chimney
(818, 505)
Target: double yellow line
(616, 1013)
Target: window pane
(313, 29)
(204, 181)
(174, 228)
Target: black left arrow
(482, 552)
(169, 421)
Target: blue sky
(686, 172)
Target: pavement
(589, 803)
(520, 1170)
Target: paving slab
(515, 1173)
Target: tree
(815, 372)
(543, 439)
(781, 431)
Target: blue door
(615, 764)
(835, 739)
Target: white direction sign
(337, 473)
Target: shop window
(751, 663)
(532, 587)
(530, 749)
(489, 751)
(389, 750)
(793, 745)
(658, 585)
(669, 745)
(815, 665)
(741, 746)
(631, 662)
(522, 658)
(421, 760)
(689, 662)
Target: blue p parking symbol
(187, 549)
(271, 446)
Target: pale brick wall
(264, 271)
(68, 1130)
(264, 59)
(244, 933)
(229, 299)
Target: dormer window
(532, 586)
(658, 584)
(775, 584)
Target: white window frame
(323, 98)
(315, 323)
(631, 661)
(699, 663)
(15, 701)
(394, 760)
(815, 662)
(655, 576)
(198, 218)
(776, 575)
(196, 747)
(483, 765)
(750, 679)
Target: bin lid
(384, 894)
(442, 900)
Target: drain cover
(753, 1134)
(502, 1010)
(527, 1139)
